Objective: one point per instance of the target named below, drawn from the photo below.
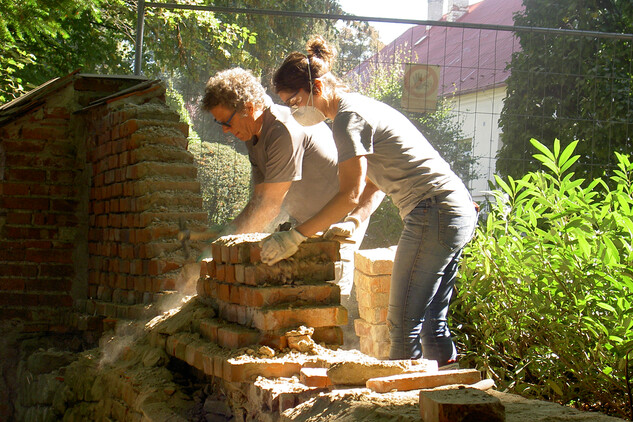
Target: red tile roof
(470, 59)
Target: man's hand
(345, 229)
(280, 245)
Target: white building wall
(478, 113)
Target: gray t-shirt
(400, 161)
(285, 151)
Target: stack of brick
(258, 303)
(143, 182)
(372, 278)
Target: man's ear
(248, 109)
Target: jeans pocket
(455, 229)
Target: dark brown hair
(299, 70)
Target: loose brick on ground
(414, 381)
(460, 404)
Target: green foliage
(42, 39)
(32, 28)
(545, 302)
(224, 176)
(384, 227)
(570, 87)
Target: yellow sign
(421, 82)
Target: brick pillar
(372, 278)
(143, 181)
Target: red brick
(7, 284)
(324, 293)
(25, 175)
(234, 370)
(19, 270)
(24, 145)
(49, 255)
(19, 189)
(304, 270)
(25, 203)
(234, 336)
(377, 349)
(314, 377)
(419, 380)
(313, 316)
(368, 299)
(54, 270)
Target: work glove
(280, 245)
(345, 229)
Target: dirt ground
(364, 405)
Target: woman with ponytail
(381, 152)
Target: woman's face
(294, 99)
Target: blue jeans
(423, 277)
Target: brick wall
(94, 173)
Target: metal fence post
(140, 21)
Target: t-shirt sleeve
(353, 136)
(284, 157)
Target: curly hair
(233, 88)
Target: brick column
(372, 277)
(143, 181)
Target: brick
(240, 253)
(460, 404)
(234, 336)
(373, 315)
(209, 329)
(304, 270)
(377, 349)
(360, 372)
(373, 332)
(368, 299)
(315, 377)
(419, 380)
(25, 203)
(313, 316)
(235, 370)
(375, 261)
(372, 283)
(324, 293)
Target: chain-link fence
(495, 85)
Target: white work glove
(345, 229)
(280, 245)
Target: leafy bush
(545, 302)
(224, 176)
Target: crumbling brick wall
(94, 173)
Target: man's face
(239, 123)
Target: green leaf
(546, 152)
(606, 306)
